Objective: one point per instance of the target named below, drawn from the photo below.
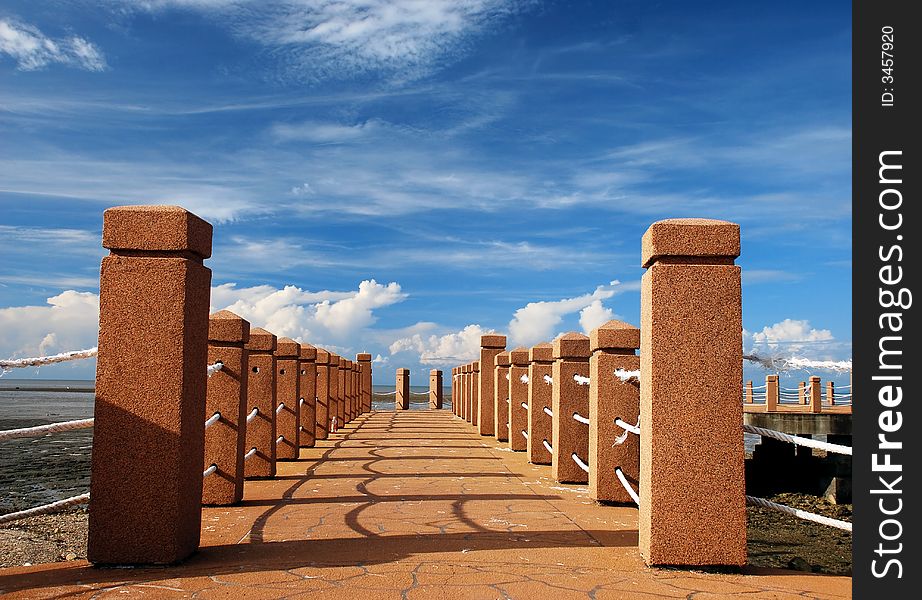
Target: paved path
(413, 505)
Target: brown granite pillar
(364, 361)
(815, 394)
(747, 392)
(611, 447)
(356, 392)
(402, 397)
(308, 399)
(475, 393)
(335, 391)
(287, 397)
(342, 392)
(226, 403)
(772, 393)
(501, 395)
(518, 400)
(691, 448)
(488, 412)
(435, 389)
(454, 390)
(465, 391)
(261, 398)
(540, 397)
(151, 381)
(322, 395)
(347, 390)
(571, 358)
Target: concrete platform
(412, 505)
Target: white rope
(548, 412)
(756, 387)
(302, 402)
(38, 361)
(212, 369)
(507, 377)
(39, 430)
(252, 414)
(579, 463)
(580, 418)
(547, 446)
(420, 393)
(385, 393)
(635, 429)
(525, 406)
(280, 407)
(548, 380)
(249, 454)
(45, 508)
(580, 380)
(212, 420)
(524, 378)
(796, 512)
(627, 486)
(508, 401)
(525, 434)
(628, 376)
(209, 471)
(279, 440)
(800, 441)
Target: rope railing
(627, 486)
(209, 471)
(628, 376)
(252, 414)
(41, 430)
(580, 380)
(579, 462)
(524, 434)
(548, 380)
(419, 393)
(279, 440)
(250, 454)
(547, 446)
(800, 514)
(525, 406)
(45, 508)
(212, 420)
(635, 429)
(217, 366)
(580, 418)
(39, 361)
(548, 412)
(280, 407)
(524, 378)
(800, 441)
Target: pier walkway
(413, 504)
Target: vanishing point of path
(414, 504)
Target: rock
(799, 564)
(70, 556)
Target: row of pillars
(688, 460)
(402, 394)
(809, 394)
(155, 462)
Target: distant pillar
(571, 357)
(815, 396)
(308, 398)
(475, 393)
(454, 390)
(335, 391)
(347, 393)
(403, 389)
(342, 391)
(612, 447)
(150, 386)
(435, 389)
(261, 397)
(540, 397)
(518, 400)
(322, 394)
(465, 403)
(691, 370)
(500, 392)
(224, 439)
(488, 412)
(364, 361)
(772, 393)
(287, 396)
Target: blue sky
(479, 165)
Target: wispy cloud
(33, 50)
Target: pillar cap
(614, 335)
(492, 340)
(225, 326)
(403, 371)
(323, 357)
(435, 372)
(543, 352)
(706, 238)
(475, 366)
(519, 356)
(308, 352)
(465, 368)
(158, 228)
(261, 340)
(363, 357)
(287, 348)
(502, 359)
(571, 345)
(343, 362)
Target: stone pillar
(815, 394)
(475, 394)
(224, 439)
(610, 446)
(488, 412)
(261, 395)
(322, 395)
(465, 406)
(342, 395)
(501, 396)
(364, 361)
(454, 390)
(347, 390)
(747, 392)
(356, 391)
(151, 380)
(518, 400)
(403, 389)
(335, 390)
(435, 389)
(691, 368)
(287, 397)
(772, 393)
(571, 357)
(540, 396)
(308, 398)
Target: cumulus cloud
(445, 349)
(33, 50)
(594, 315)
(536, 321)
(790, 331)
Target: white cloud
(790, 330)
(312, 131)
(790, 337)
(445, 349)
(33, 50)
(536, 321)
(594, 315)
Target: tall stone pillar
(347, 390)
(322, 395)
(335, 391)
(287, 395)
(364, 360)
(465, 403)
(151, 380)
(501, 396)
(571, 358)
(224, 438)
(454, 390)
(488, 412)
(540, 397)
(435, 389)
(261, 404)
(691, 372)
(475, 393)
(612, 447)
(518, 400)
(403, 389)
(308, 399)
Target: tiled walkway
(413, 505)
